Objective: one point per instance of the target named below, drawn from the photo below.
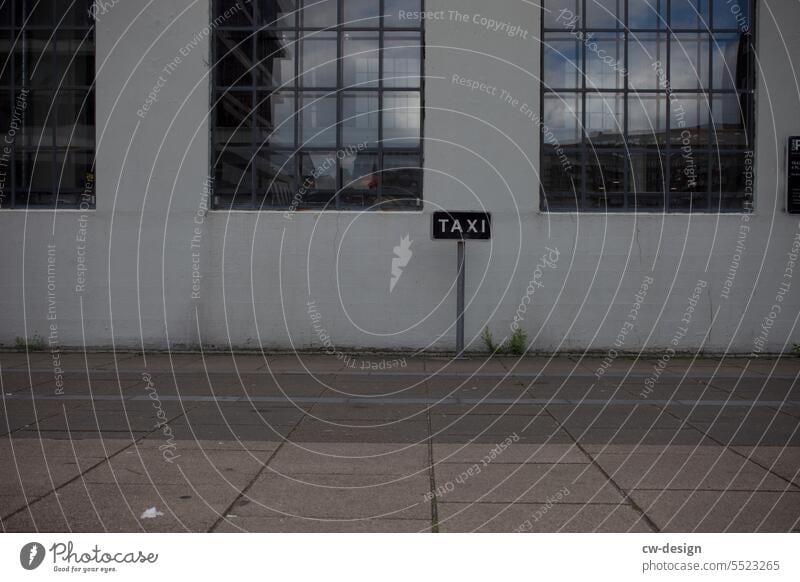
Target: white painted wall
(257, 268)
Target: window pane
(730, 117)
(71, 13)
(5, 13)
(562, 119)
(276, 54)
(318, 13)
(74, 59)
(360, 173)
(689, 14)
(233, 170)
(233, 119)
(234, 58)
(402, 54)
(38, 131)
(561, 13)
(730, 62)
(401, 120)
(362, 13)
(647, 57)
(688, 175)
(732, 14)
(74, 111)
(605, 122)
(360, 60)
(318, 173)
(37, 65)
(560, 171)
(647, 14)
(275, 120)
(605, 63)
(646, 173)
(562, 62)
(605, 13)
(606, 174)
(318, 118)
(360, 119)
(689, 61)
(74, 170)
(37, 13)
(402, 178)
(690, 121)
(6, 58)
(401, 13)
(318, 59)
(275, 184)
(234, 13)
(275, 12)
(647, 119)
(36, 170)
(732, 184)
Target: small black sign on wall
(462, 226)
(793, 176)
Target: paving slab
(295, 525)
(397, 459)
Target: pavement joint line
(732, 448)
(91, 468)
(630, 501)
(442, 401)
(433, 376)
(223, 515)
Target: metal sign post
(461, 226)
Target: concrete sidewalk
(311, 443)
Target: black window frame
(710, 200)
(16, 29)
(259, 200)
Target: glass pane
(732, 14)
(605, 13)
(318, 60)
(318, 170)
(359, 172)
(37, 13)
(318, 120)
(731, 114)
(74, 59)
(233, 123)
(234, 58)
(72, 13)
(688, 174)
(74, 170)
(5, 13)
(605, 122)
(75, 115)
(6, 58)
(562, 14)
(360, 119)
(38, 116)
(274, 179)
(401, 120)
(605, 61)
(232, 170)
(689, 14)
(360, 61)
(275, 120)
(647, 119)
(36, 170)
(648, 14)
(276, 54)
(562, 119)
(275, 12)
(560, 172)
(562, 62)
(402, 54)
(730, 62)
(647, 57)
(402, 178)
(606, 173)
(401, 13)
(732, 182)
(689, 61)
(37, 62)
(646, 172)
(690, 120)
(318, 14)
(362, 13)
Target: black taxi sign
(462, 225)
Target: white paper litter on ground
(151, 513)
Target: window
(647, 105)
(46, 104)
(317, 104)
